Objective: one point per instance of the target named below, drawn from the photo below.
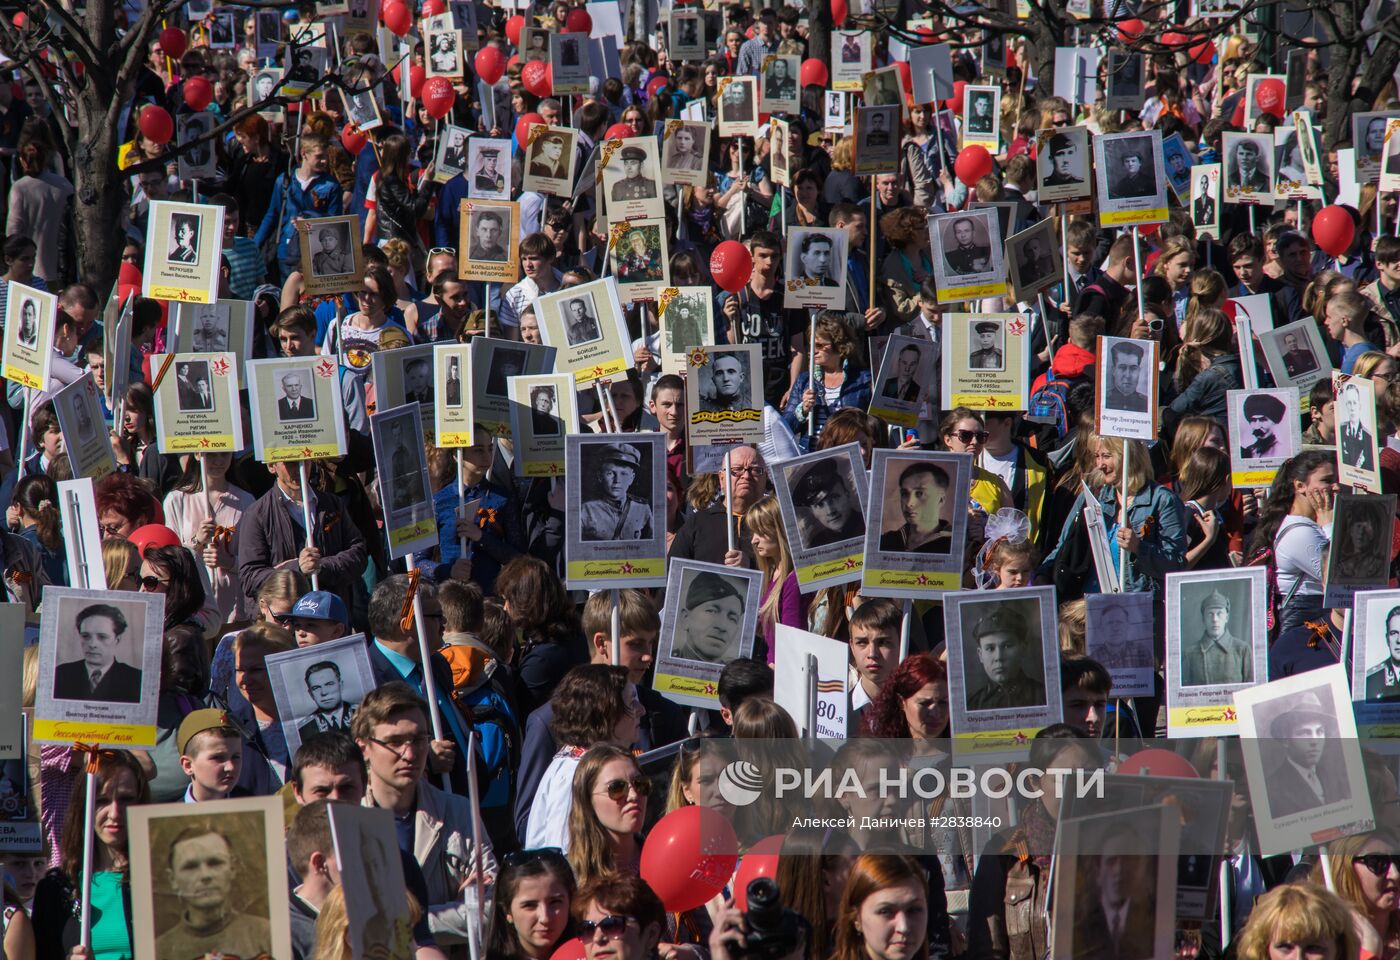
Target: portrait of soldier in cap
(1354, 441)
(487, 178)
(1129, 175)
(611, 509)
(547, 157)
(986, 353)
(1383, 681)
(735, 104)
(967, 254)
(779, 83)
(1001, 642)
(1263, 413)
(827, 509)
(633, 186)
(1297, 358)
(922, 528)
(1302, 778)
(709, 626)
(1124, 366)
(1066, 167)
(1217, 657)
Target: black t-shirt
(764, 321)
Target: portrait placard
(1295, 354)
(615, 488)
(687, 35)
(182, 251)
(12, 719)
(1076, 75)
(494, 362)
(822, 499)
(850, 59)
(1375, 661)
(1178, 162)
(1390, 163)
(543, 411)
(198, 162)
(778, 88)
(570, 64)
(884, 87)
(1003, 667)
(738, 106)
(793, 681)
(85, 436)
(223, 27)
(443, 53)
(631, 177)
(905, 368)
(1264, 432)
(1132, 188)
(489, 177)
(319, 687)
(19, 820)
(267, 83)
(549, 160)
(197, 409)
(1307, 783)
(816, 268)
(724, 395)
(1291, 180)
(967, 252)
(116, 342)
(1217, 638)
(638, 257)
(586, 327)
(877, 140)
(1205, 200)
(218, 327)
(686, 320)
(916, 528)
(1368, 131)
(1248, 177)
(296, 408)
(1119, 636)
(31, 317)
(779, 159)
(1104, 860)
(1358, 456)
(410, 521)
(1062, 165)
(931, 70)
(1359, 557)
(402, 375)
(1033, 260)
(372, 881)
(534, 44)
(487, 241)
(709, 621)
(452, 382)
(1124, 80)
(981, 117)
(1127, 388)
(195, 863)
(332, 260)
(1308, 147)
(986, 361)
(834, 120)
(685, 152)
(99, 667)
(450, 157)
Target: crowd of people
(557, 684)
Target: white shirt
(519, 297)
(548, 824)
(1298, 549)
(1003, 465)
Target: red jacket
(1071, 362)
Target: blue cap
(320, 605)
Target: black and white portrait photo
(630, 175)
(980, 120)
(549, 157)
(1355, 419)
(194, 389)
(814, 258)
(28, 331)
(1300, 771)
(489, 177)
(1062, 163)
(296, 396)
(710, 621)
(816, 267)
(1248, 158)
(1002, 657)
(902, 383)
(1205, 199)
(402, 454)
(318, 687)
(1179, 162)
(544, 412)
(687, 35)
(916, 523)
(367, 852)
(1295, 353)
(452, 158)
(183, 246)
(1368, 137)
(222, 27)
(1131, 171)
(444, 53)
(581, 320)
(824, 497)
(362, 109)
(918, 505)
(1376, 666)
(506, 362)
(1362, 527)
(1216, 630)
(738, 106)
(1123, 383)
(882, 87)
(1033, 259)
(685, 321)
(100, 656)
(967, 250)
(209, 324)
(1119, 636)
(1264, 432)
(877, 131)
(617, 496)
(332, 253)
(987, 343)
(780, 78)
(490, 232)
(685, 147)
(1124, 80)
(725, 382)
(452, 387)
(1216, 637)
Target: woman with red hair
(124, 504)
(254, 162)
(913, 703)
(884, 910)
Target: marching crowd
(561, 707)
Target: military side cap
(196, 722)
(709, 586)
(1215, 599)
(623, 453)
(1264, 405)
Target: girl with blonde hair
(781, 600)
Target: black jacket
(400, 208)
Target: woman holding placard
(1294, 524)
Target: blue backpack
(1050, 405)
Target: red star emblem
(1229, 714)
(325, 368)
(1020, 737)
(502, 430)
(626, 567)
(1018, 327)
(554, 468)
(850, 564)
(710, 688)
(306, 453)
(597, 371)
(991, 401)
(922, 579)
(204, 442)
(220, 368)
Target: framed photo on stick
(639, 258)
(630, 173)
(685, 152)
(225, 325)
(332, 260)
(967, 252)
(778, 91)
(586, 327)
(1033, 260)
(296, 408)
(615, 486)
(1119, 636)
(1132, 186)
(916, 530)
(905, 368)
(850, 59)
(366, 845)
(877, 140)
(403, 375)
(738, 106)
(31, 318)
(986, 361)
(1358, 456)
(452, 381)
(197, 409)
(1248, 174)
(410, 521)
(1264, 434)
(724, 395)
(487, 241)
(85, 436)
(822, 500)
(494, 362)
(1217, 637)
(182, 251)
(1295, 354)
(686, 316)
(1127, 388)
(710, 622)
(489, 177)
(543, 411)
(318, 687)
(1205, 200)
(1062, 166)
(1359, 557)
(816, 268)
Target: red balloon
(514, 59)
(619, 131)
(731, 265)
(433, 8)
(173, 42)
(397, 17)
(761, 860)
(438, 97)
(956, 103)
(1268, 96)
(535, 77)
(1130, 30)
(973, 163)
(19, 20)
(1203, 52)
(513, 27)
(578, 20)
(1175, 39)
(155, 124)
(814, 73)
(416, 76)
(199, 93)
(1158, 763)
(523, 125)
(570, 949)
(490, 64)
(839, 12)
(352, 139)
(688, 857)
(1333, 229)
(655, 84)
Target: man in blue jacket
(309, 192)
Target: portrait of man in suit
(1297, 359)
(1353, 439)
(292, 405)
(902, 386)
(1249, 169)
(99, 675)
(487, 230)
(192, 387)
(1302, 778)
(1116, 899)
(814, 260)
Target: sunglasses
(611, 925)
(1379, 863)
(967, 436)
(617, 790)
(1155, 324)
(518, 858)
(153, 583)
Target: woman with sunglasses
(375, 326)
(1365, 872)
(608, 812)
(594, 704)
(212, 537)
(619, 918)
(172, 571)
(884, 911)
(278, 594)
(964, 431)
(534, 892)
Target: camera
(774, 930)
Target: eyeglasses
(968, 436)
(111, 529)
(398, 745)
(1155, 324)
(152, 584)
(518, 858)
(611, 925)
(281, 619)
(755, 472)
(617, 790)
(1379, 863)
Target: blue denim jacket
(855, 392)
(1161, 552)
(322, 197)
